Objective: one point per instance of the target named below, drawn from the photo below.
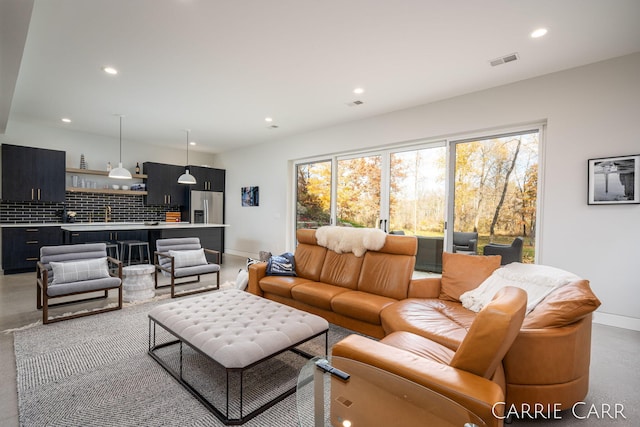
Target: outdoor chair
(465, 242)
(69, 270)
(184, 258)
(510, 253)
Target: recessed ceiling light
(538, 33)
(192, 143)
(110, 70)
(268, 119)
(358, 90)
(66, 120)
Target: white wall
(591, 111)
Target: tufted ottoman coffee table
(236, 340)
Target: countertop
(104, 226)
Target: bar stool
(112, 249)
(129, 245)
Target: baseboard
(616, 320)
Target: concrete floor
(18, 308)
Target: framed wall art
(250, 196)
(614, 180)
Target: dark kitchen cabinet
(162, 184)
(207, 179)
(74, 237)
(32, 174)
(21, 246)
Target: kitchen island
(211, 235)
(21, 242)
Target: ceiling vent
(355, 103)
(504, 59)
(272, 127)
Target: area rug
(95, 371)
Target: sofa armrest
(477, 394)
(427, 287)
(256, 272)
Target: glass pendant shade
(120, 172)
(186, 177)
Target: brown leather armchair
(472, 376)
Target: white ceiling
(220, 67)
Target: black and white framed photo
(614, 180)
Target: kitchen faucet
(107, 213)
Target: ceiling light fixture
(66, 120)
(120, 172)
(538, 33)
(110, 70)
(186, 177)
(358, 91)
(268, 119)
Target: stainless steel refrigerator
(207, 207)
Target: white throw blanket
(346, 239)
(538, 280)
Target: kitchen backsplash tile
(88, 207)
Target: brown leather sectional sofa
(548, 364)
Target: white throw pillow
(188, 258)
(242, 280)
(76, 271)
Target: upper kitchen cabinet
(32, 174)
(162, 184)
(207, 179)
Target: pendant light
(120, 172)
(186, 177)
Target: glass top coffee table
(371, 397)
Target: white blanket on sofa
(538, 280)
(346, 239)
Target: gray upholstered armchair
(465, 242)
(75, 270)
(510, 253)
(184, 258)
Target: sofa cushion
(341, 270)
(84, 286)
(195, 270)
(462, 273)
(77, 271)
(280, 285)
(445, 322)
(361, 305)
(386, 274)
(420, 346)
(316, 294)
(309, 260)
(563, 306)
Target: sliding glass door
(495, 188)
(417, 191)
(359, 181)
(313, 194)
(486, 185)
